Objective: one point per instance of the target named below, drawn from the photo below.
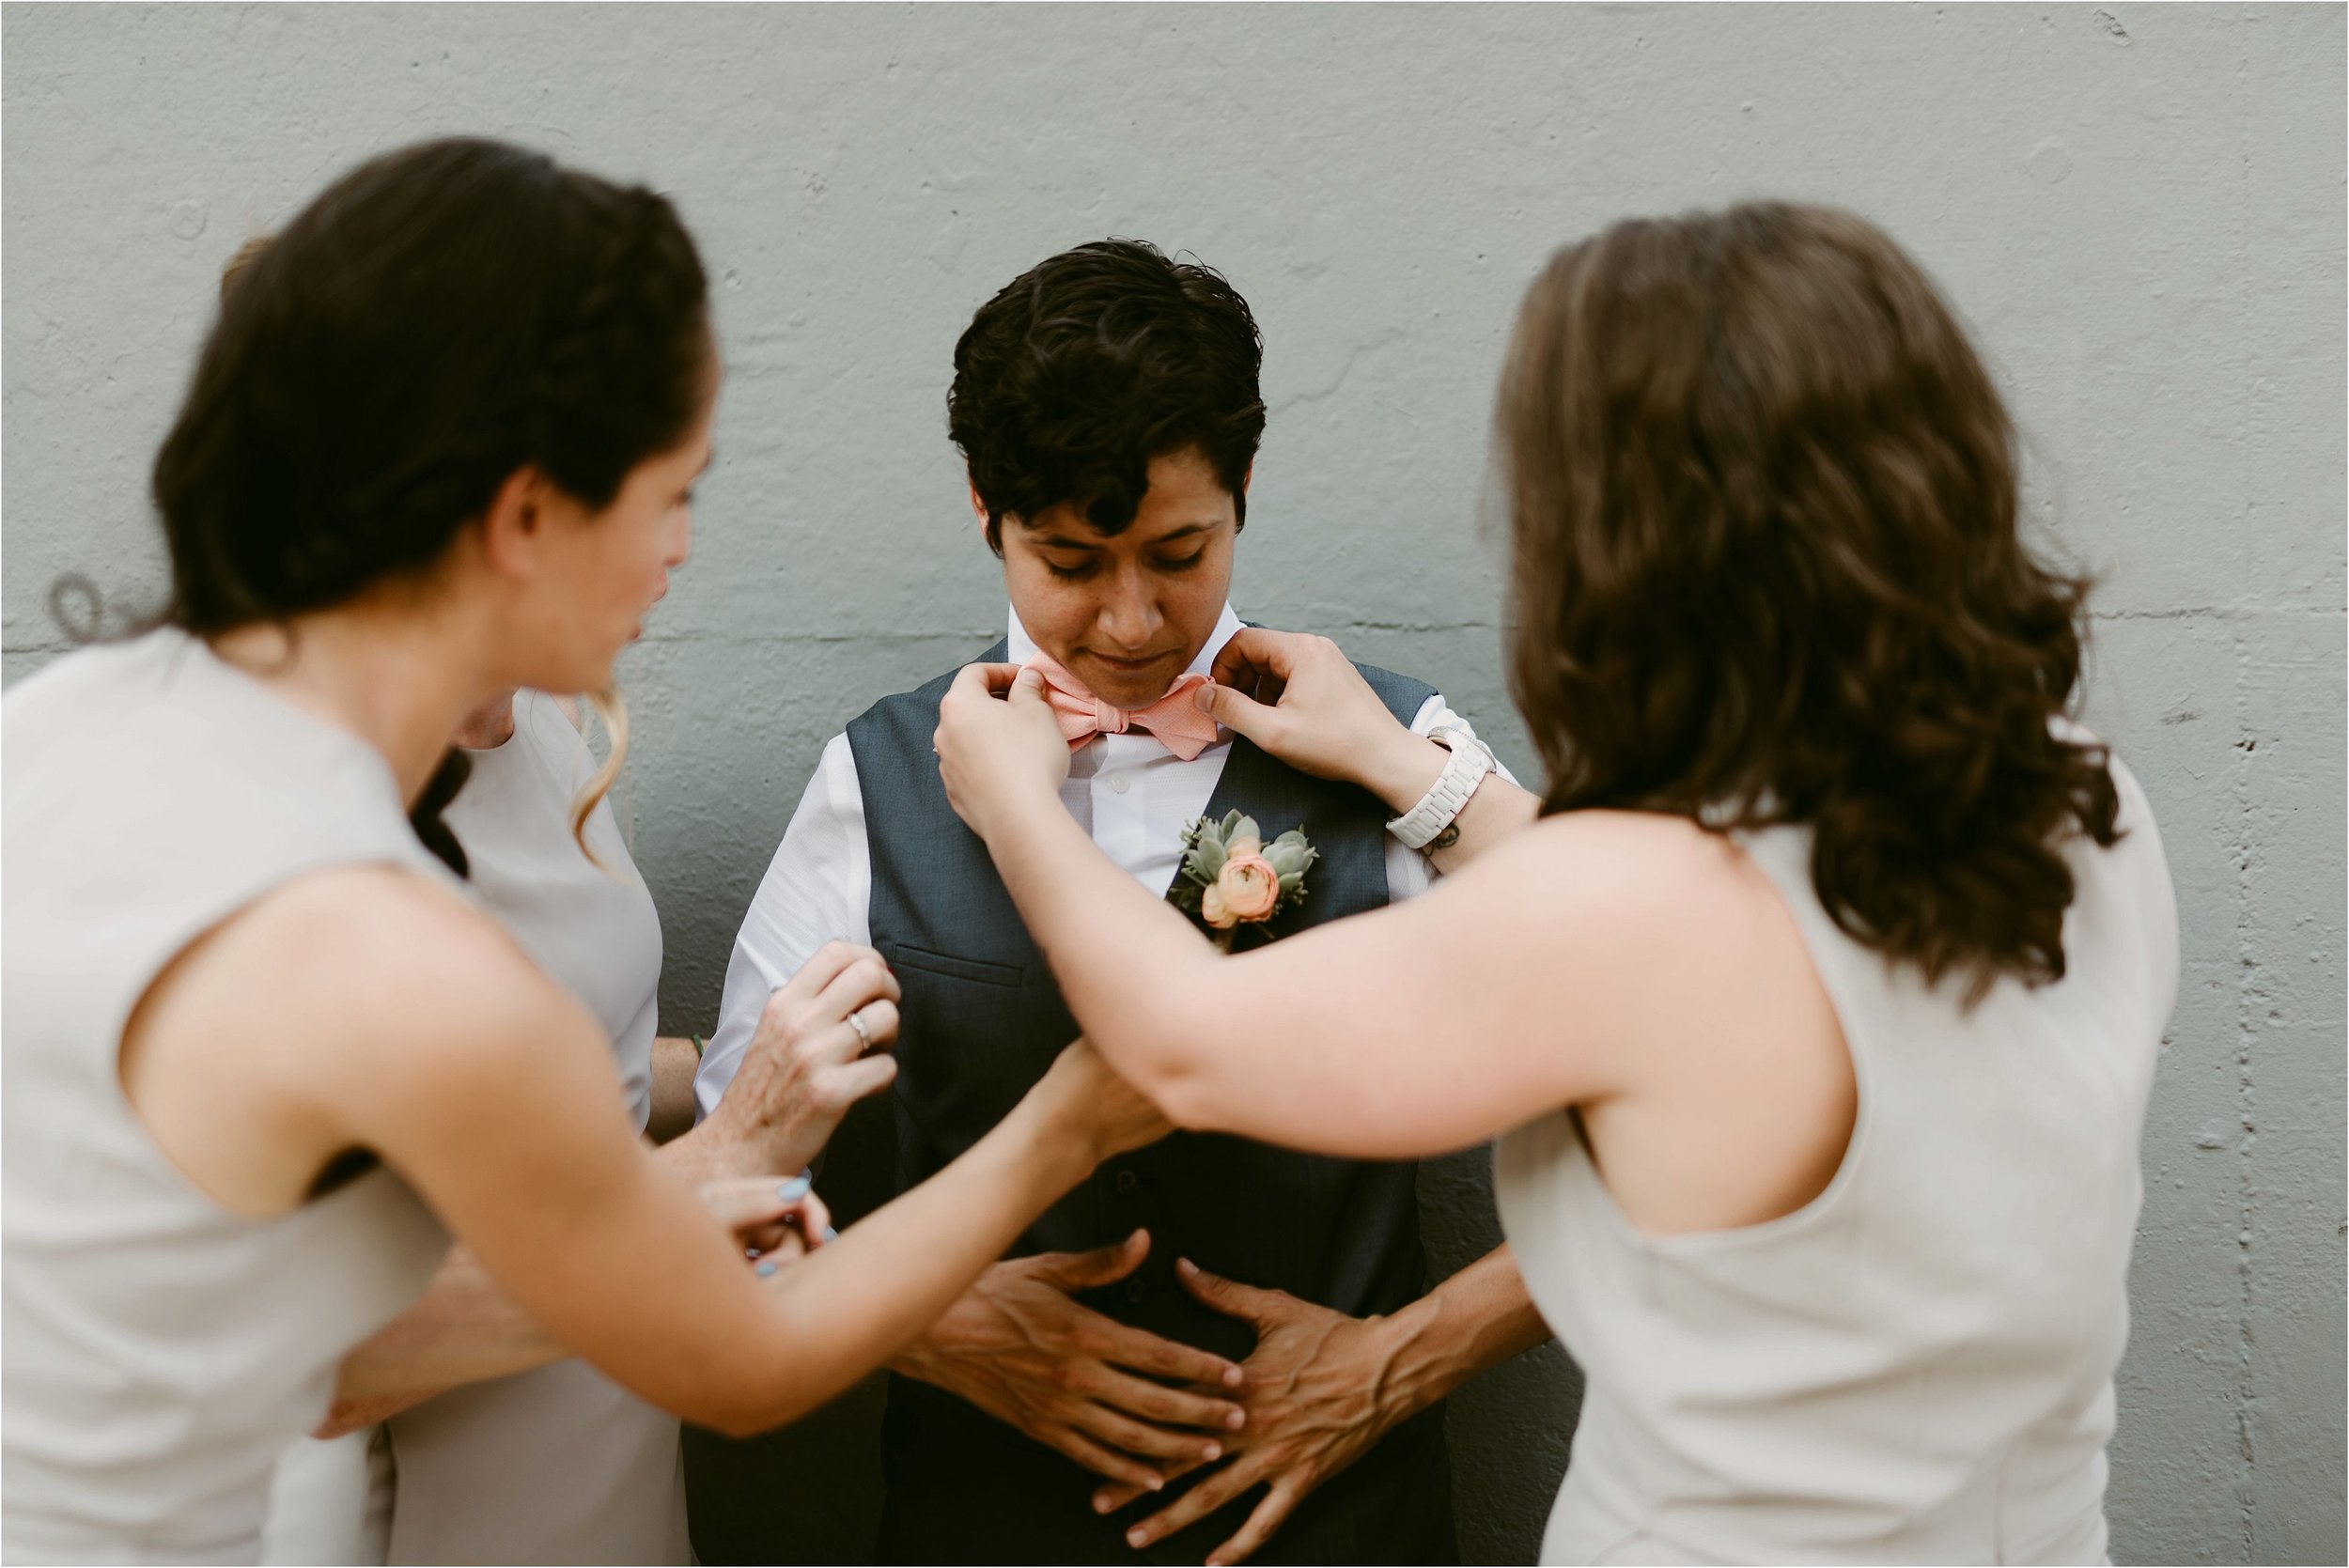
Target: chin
(1129, 690)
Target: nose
(1130, 617)
(680, 540)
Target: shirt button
(1136, 1290)
(1128, 1181)
(1118, 784)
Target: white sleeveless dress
(1917, 1367)
(159, 1351)
(559, 1464)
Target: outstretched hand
(999, 749)
(1302, 700)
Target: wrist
(1404, 770)
(1422, 1364)
(1058, 1138)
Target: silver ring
(858, 1024)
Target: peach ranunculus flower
(1246, 889)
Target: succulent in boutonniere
(1230, 877)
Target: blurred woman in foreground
(259, 1049)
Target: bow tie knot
(1174, 721)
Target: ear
(978, 508)
(1250, 473)
(513, 524)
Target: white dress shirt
(1133, 795)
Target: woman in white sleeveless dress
(559, 1464)
(1819, 1007)
(261, 1055)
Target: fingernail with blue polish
(792, 1191)
(831, 1235)
(766, 1267)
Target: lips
(1127, 666)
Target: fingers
(1026, 688)
(1103, 1265)
(1121, 1468)
(1139, 1351)
(843, 1086)
(1156, 1402)
(1117, 1494)
(1200, 1501)
(863, 981)
(983, 680)
(747, 1202)
(1262, 1308)
(1254, 654)
(1235, 711)
(1270, 1513)
(1152, 1442)
(825, 966)
(812, 1220)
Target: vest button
(1128, 1181)
(1136, 1290)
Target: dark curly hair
(1762, 509)
(438, 318)
(1091, 363)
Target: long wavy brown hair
(1762, 503)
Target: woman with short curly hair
(1819, 996)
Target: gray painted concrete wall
(2140, 208)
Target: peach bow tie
(1173, 721)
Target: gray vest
(982, 1019)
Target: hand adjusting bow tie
(1173, 721)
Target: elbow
(731, 1415)
(1183, 1094)
(743, 1425)
(1177, 1070)
(1181, 1102)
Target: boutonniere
(1231, 878)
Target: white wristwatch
(1449, 795)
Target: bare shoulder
(374, 974)
(1638, 867)
(1632, 904)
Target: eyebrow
(1062, 541)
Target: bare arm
(673, 1062)
(802, 1071)
(442, 1029)
(1553, 960)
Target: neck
(402, 679)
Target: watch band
(1449, 795)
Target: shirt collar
(1019, 647)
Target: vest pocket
(979, 971)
